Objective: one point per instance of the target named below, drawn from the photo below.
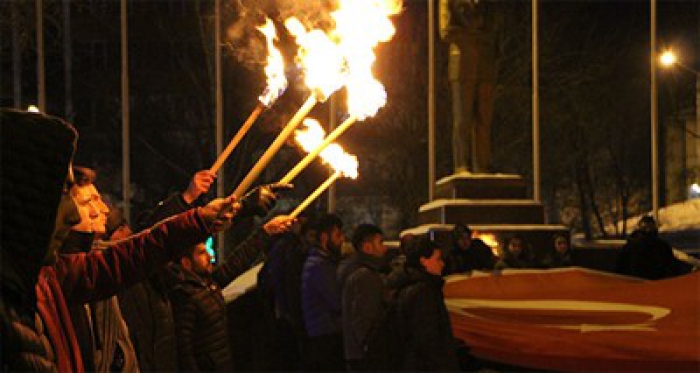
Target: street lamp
(668, 59)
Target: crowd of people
(82, 290)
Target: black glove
(259, 201)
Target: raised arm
(100, 274)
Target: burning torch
(276, 85)
(344, 164)
(324, 67)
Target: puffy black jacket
(200, 316)
(200, 310)
(428, 341)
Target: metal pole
(431, 99)
(536, 180)
(219, 101)
(41, 77)
(126, 153)
(654, 119)
(331, 126)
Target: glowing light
(489, 239)
(312, 136)
(366, 95)
(33, 109)
(320, 57)
(276, 80)
(667, 58)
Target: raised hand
(262, 199)
(279, 224)
(217, 214)
(200, 184)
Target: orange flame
(312, 136)
(366, 95)
(490, 240)
(276, 80)
(320, 57)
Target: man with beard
(320, 297)
(198, 302)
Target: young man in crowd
(363, 296)
(100, 328)
(198, 302)
(320, 297)
(422, 319)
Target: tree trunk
(585, 223)
(591, 196)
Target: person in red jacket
(36, 328)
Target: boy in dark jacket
(363, 305)
(421, 311)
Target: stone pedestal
(494, 204)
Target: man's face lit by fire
(93, 211)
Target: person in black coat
(361, 278)
(421, 311)
(468, 254)
(283, 343)
(647, 256)
(198, 302)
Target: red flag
(578, 320)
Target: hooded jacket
(36, 151)
(37, 329)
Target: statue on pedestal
(470, 27)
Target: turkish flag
(576, 319)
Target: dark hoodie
(37, 331)
(423, 318)
(36, 151)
